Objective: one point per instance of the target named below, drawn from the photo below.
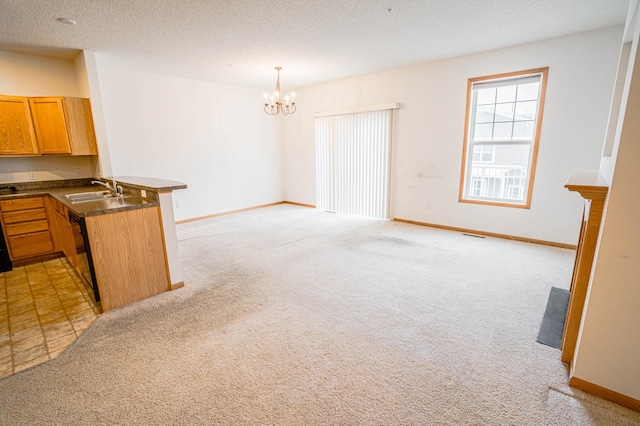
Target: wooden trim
(536, 141)
(465, 141)
(36, 259)
(193, 219)
(493, 203)
(489, 234)
(164, 249)
(389, 166)
(510, 74)
(177, 285)
(587, 182)
(590, 185)
(311, 206)
(618, 398)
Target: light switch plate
(33, 175)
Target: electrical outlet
(428, 205)
(143, 193)
(33, 175)
(76, 172)
(177, 204)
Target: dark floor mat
(555, 314)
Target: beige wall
(28, 75)
(213, 137)
(430, 130)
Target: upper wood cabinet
(50, 125)
(80, 126)
(16, 129)
(63, 126)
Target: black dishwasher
(83, 251)
(5, 261)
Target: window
(504, 115)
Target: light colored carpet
(296, 316)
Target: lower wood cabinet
(26, 227)
(127, 248)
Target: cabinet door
(54, 226)
(49, 123)
(16, 128)
(65, 238)
(61, 232)
(80, 126)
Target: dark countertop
(106, 206)
(152, 184)
(87, 208)
(59, 188)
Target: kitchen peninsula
(124, 247)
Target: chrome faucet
(117, 189)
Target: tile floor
(43, 309)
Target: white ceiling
(240, 41)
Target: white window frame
(467, 189)
(484, 150)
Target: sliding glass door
(353, 153)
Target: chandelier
(273, 104)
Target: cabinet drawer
(22, 204)
(24, 216)
(30, 244)
(27, 227)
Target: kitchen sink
(81, 197)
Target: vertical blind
(352, 163)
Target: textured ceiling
(240, 41)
